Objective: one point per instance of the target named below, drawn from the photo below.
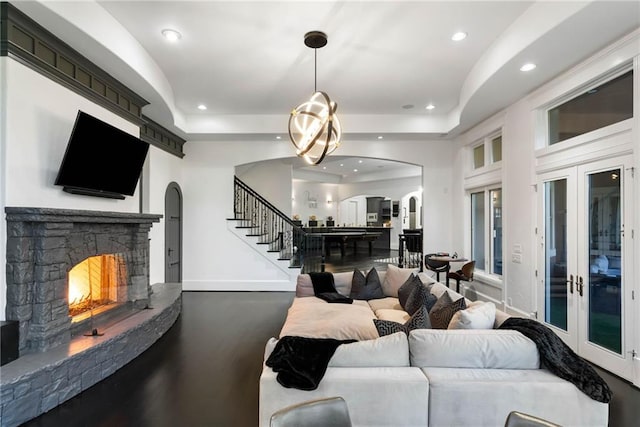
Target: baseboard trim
(239, 285)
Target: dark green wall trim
(26, 41)
(160, 137)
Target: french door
(584, 277)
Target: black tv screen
(101, 160)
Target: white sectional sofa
(430, 377)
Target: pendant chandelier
(314, 128)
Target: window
(489, 147)
(478, 156)
(496, 149)
(486, 230)
(609, 103)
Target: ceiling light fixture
(314, 128)
(460, 35)
(202, 107)
(380, 137)
(430, 107)
(528, 67)
(171, 35)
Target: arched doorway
(173, 233)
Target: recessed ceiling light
(430, 107)
(380, 136)
(324, 167)
(278, 137)
(171, 35)
(460, 35)
(528, 67)
(341, 164)
(355, 170)
(202, 107)
(359, 161)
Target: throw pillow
(444, 309)
(366, 288)
(394, 278)
(479, 315)
(405, 290)
(421, 296)
(322, 282)
(420, 320)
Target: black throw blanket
(302, 362)
(558, 358)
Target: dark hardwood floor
(204, 371)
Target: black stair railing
(274, 229)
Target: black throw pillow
(421, 296)
(407, 288)
(322, 282)
(366, 288)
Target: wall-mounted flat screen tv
(101, 160)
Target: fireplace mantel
(43, 244)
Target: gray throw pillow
(366, 288)
(421, 296)
(420, 320)
(444, 309)
(407, 287)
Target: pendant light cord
(315, 70)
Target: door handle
(169, 250)
(580, 285)
(570, 282)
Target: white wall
(322, 192)
(272, 180)
(37, 118)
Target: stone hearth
(43, 244)
(55, 364)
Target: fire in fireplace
(96, 285)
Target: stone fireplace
(49, 249)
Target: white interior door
(585, 279)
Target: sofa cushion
(384, 303)
(390, 350)
(421, 296)
(466, 348)
(395, 278)
(399, 316)
(478, 315)
(488, 395)
(366, 288)
(315, 318)
(444, 309)
(420, 319)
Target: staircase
(272, 233)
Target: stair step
(284, 259)
(237, 219)
(246, 226)
(256, 235)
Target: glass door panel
(555, 253)
(605, 255)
